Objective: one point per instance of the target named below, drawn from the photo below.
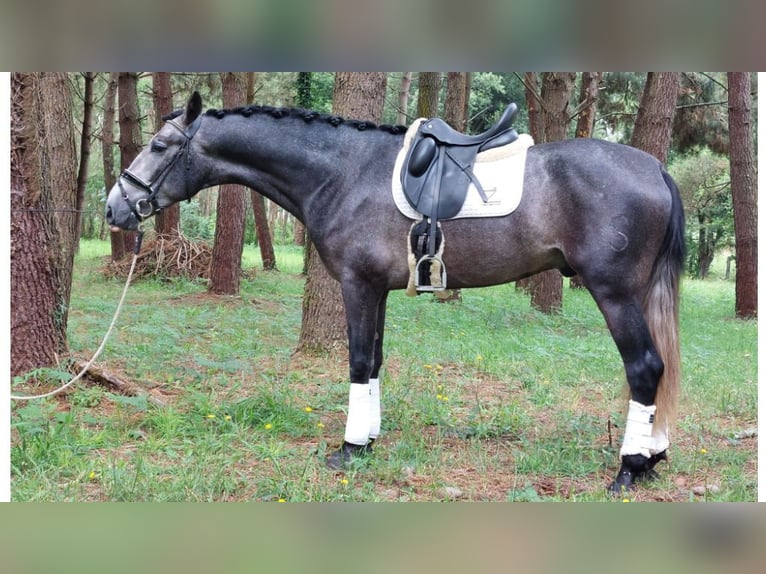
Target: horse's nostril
(109, 214)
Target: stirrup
(428, 271)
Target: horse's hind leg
(644, 443)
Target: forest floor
(483, 400)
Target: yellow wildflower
(267, 426)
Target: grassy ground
(484, 400)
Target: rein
(146, 207)
(136, 250)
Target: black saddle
(439, 166)
(438, 170)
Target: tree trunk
(107, 155)
(546, 288)
(534, 106)
(166, 221)
(305, 99)
(226, 263)
(455, 106)
(130, 130)
(262, 231)
(404, 98)
(38, 334)
(59, 172)
(536, 130)
(455, 100)
(265, 243)
(358, 95)
(429, 84)
(654, 122)
(744, 193)
(588, 100)
(85, 134)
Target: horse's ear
(193, 108)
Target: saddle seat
(442, 132)
(437, 173)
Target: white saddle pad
(500, 171)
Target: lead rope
(136, 250)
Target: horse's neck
(283, 159)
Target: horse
(607, 212)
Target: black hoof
(634, 469)
(342, 458)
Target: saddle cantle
(438, 171)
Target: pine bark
(107, 157)
(546, 288)
(455, 114)
(38, 330)
(429, 84)
(358, 95)
(404, 98)
(588, 100)
(168, 220)
(129, 119)
(744, 191)
(265, 243)
(226, 263)
(455, 100)
(654, 122)
(59, 172)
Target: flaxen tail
(661, 307)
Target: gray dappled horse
(605, 211)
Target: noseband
(148, 206)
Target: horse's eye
(159, 145)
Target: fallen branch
(128, 388)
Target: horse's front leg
(365, 317)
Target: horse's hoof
(623, 484)
(634, 469)
(342, 458)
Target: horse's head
(161, 174)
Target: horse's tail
(661, 303)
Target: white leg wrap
(358, 418)
(640, 435)
(374, 408)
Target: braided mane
(307, 116)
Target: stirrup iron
(424, 270)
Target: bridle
(148, 206)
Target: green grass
(486, 396)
